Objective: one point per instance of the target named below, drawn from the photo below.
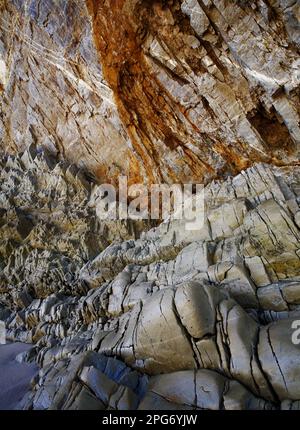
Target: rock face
(169, 318)
(169, 91)
(128, 314)
(52, 91)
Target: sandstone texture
(169, 90)
(163, 319)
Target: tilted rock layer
(121, 315)
(172, 91)
(164, 319)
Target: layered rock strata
(162, 91)
(168, 318)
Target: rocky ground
(161, 90)
(121, 316)
(132, 314)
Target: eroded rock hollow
(135, 314)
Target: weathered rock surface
(168, 318)
(118, 315)
(169, 91)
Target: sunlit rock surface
(131, 314)
(167, 318)
(173, 91)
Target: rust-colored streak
(148, 112)
(167, 145)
